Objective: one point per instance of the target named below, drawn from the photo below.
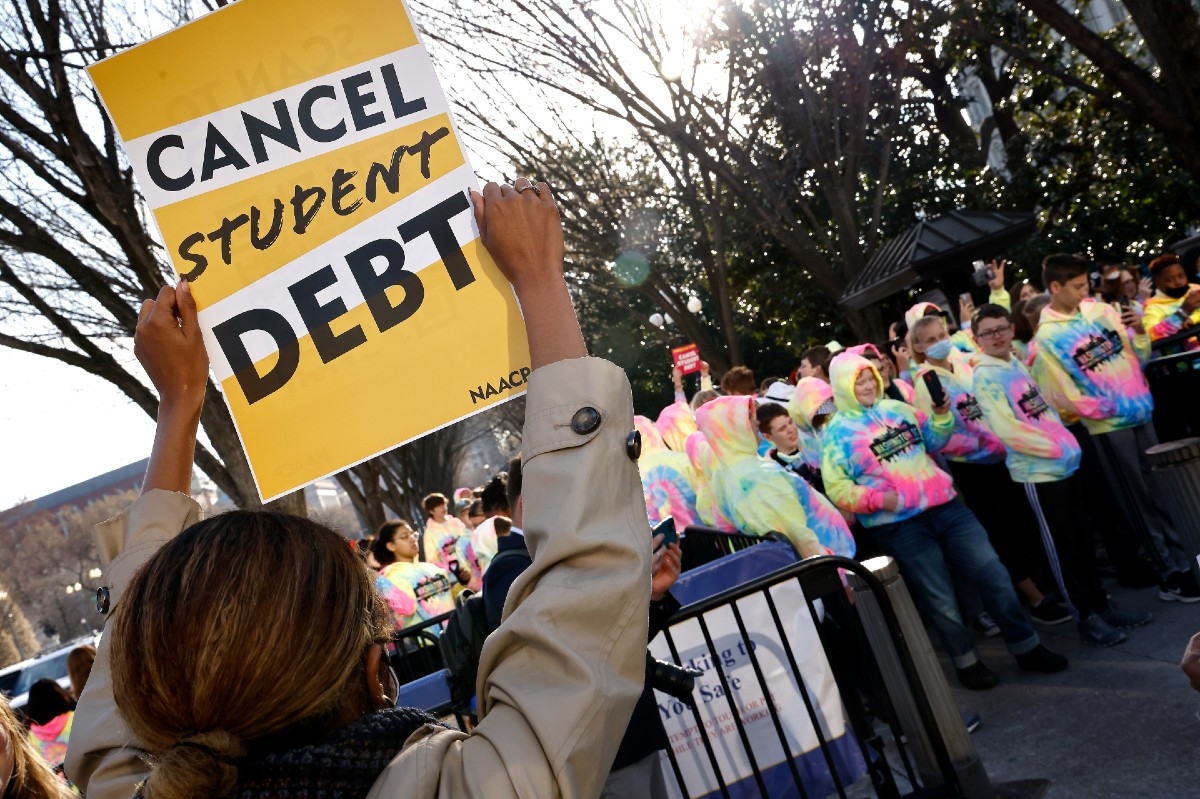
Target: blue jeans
(944, 537)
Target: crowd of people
(963, 450)
(247, 654)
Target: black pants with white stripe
(1068, 544)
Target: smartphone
(1124, 302)
(667, 528)
(964, 298)
(937, 394)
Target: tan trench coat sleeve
(102, 759)
(559, 678)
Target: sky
(60, 426)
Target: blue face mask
(939, 350)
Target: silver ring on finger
(524, 189)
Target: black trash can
(1176, 468)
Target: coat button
(585, 420)
(102, 600)
(633, 445)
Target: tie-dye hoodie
(867, 452)
(1164, 316)
(704, 462)
(666, 478)
(759, 495)
(415, 592)
(972, 441)
(813, 397)
(1040, 448)
(1092, 367)
(51, 739)
(448, 542)
(675, 423)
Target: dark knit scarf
(343, 766)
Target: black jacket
(645, 734)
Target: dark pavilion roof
(934, 246)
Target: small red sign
(686, 358)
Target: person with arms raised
(279, 687)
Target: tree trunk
(867, 324)
(293, 503)
(365, 493)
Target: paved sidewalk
(1120, 723)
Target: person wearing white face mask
(975, 457)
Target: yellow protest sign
(306, 176)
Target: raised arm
(558, 680)
(169, 346)
(102, 759)
(521, 229)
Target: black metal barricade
(417, 652)
(873, 720)
(1175, 385)
(417, 656)
(701, 545)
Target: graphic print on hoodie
(867, 452)
(666, 478)
(415, 592)
(1092, 368)
(759, 495)
(1040, 448)
(972, 441)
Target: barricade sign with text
(687, 358)
(732, 658)
(308, 181)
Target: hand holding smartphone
(665, 528)
(937, 394)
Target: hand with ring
(523, 185)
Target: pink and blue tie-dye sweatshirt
(869, 451)
(972, 440)
(759, 495)
(1040, 448)
(666, 478)
(1092, 368)
(415, 592)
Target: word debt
(376, 266)
(352, 102)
